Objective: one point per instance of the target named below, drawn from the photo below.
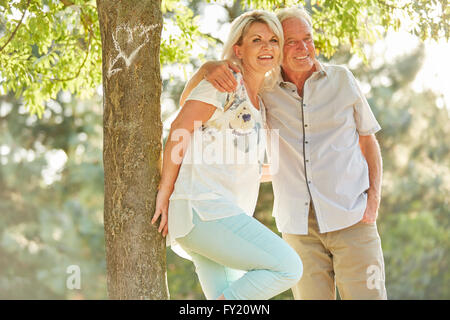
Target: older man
(328, 185)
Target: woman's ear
(237, 51)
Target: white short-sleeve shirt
(221, 170)
(318, 157)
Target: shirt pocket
(344, 135)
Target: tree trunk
(132, 128)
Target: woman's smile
(259, 48)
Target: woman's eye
(256, 40)
(274, 40)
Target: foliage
(56, 46)
(50, 45)
(354, 22)
(177, 41)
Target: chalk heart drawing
(128, 41)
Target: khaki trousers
(351, 259)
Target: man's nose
(301, 45)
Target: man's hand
(219, 75)
(371, 212)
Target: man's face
(299, 51)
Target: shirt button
(309, 182)
(307, 160)
(306, 141)
(306, 125)
(306, 203)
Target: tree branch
(17, 27)
(81, 66)
(86, 23)
(85, 19)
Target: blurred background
(51, 172)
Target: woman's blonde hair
(238, 29)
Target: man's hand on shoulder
(219, 75)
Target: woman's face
(260, 48)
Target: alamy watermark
(375, 277)
(226, 147)
(74, 279)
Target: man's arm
(217, 73)
(371, 151)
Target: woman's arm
(193, 114)
(217, 73)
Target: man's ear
(237, 51)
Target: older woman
(212, 170)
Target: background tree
(135, 252)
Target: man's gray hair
(294, 12)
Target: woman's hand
(193, 111)
(162, 207)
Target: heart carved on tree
(128, 42)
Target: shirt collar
(320, 72)
(319, 68)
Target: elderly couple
(326, 183)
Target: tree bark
(132, 128)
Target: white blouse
(221, 170)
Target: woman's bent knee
(292, 268)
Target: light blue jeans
(240, 258)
